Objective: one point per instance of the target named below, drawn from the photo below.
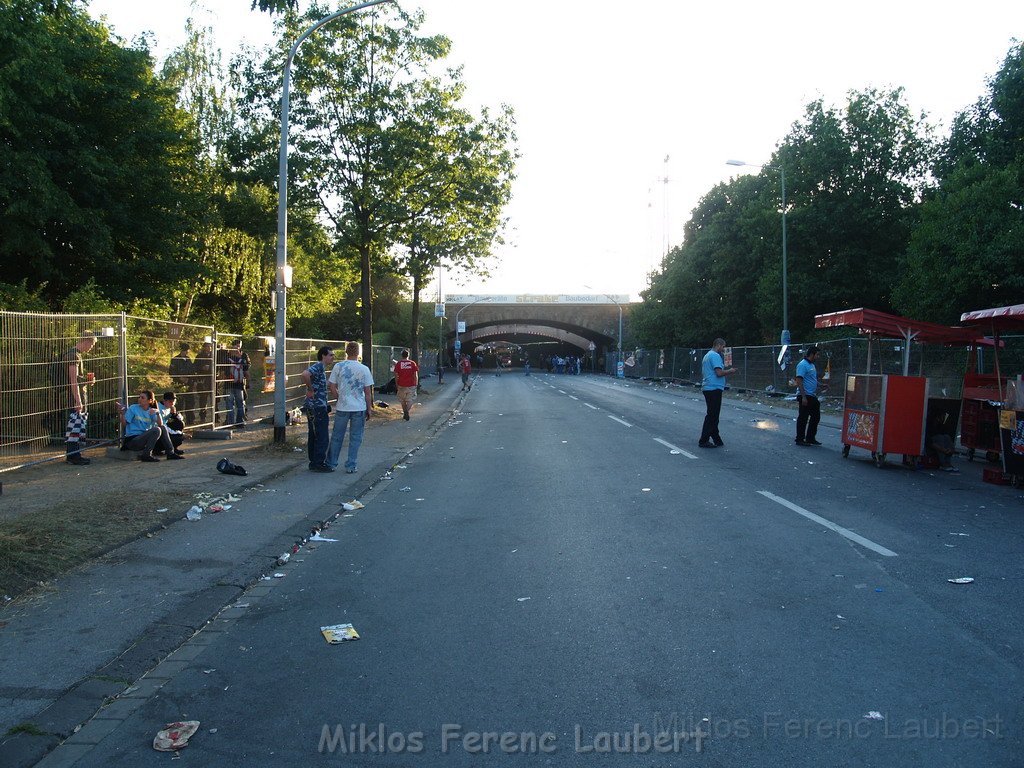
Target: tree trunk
(367, 305)
(417, 283)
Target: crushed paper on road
(339, 633)
(175, 736)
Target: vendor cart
(997, 398)
(885, 413)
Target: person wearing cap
(70, 376)
(807, 397)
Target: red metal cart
(885, 413)
(997, 426)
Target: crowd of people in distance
(570, 364)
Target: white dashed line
(671, 447)
(561, 391)
(623, 423)
(592, 406)
(573, 397)
(854, 537)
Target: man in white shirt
(352, 383)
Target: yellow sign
(1008, 420)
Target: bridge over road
(564, 324)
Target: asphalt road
(562, 577)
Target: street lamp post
(618, 358)
(458, 345)
(785, 278)
(283, 271)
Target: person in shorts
(407, 378)
(466, 368)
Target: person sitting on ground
(940, 442)
(174, 422)
(144, 428)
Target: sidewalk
(94, 631)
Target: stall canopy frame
(881, 325)
(996, 320)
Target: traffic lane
(624, 635)
(944, 526)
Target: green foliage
(95, 154)
(18, 297)
(968, 252)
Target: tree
(968, 252)
(94, 161)
(379, 142)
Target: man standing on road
(352, 383)
(466, 368)
(714, 371)
(807, 397)
(315, 378)
(69, 374)
(407, 377)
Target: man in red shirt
(407, 377)
(466, 369)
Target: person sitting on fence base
(173, 421)
(144, 428)
(940, 442)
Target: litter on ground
(175, 736)
(339, 633)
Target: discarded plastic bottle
(284, 558)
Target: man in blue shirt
(807, 396)
(714, 371)
(316, 410)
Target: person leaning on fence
(237, 373)
(317, 410)
(246, 364)
(68, 374)
(714, 370)
(144, 428)
(180, 369)
(202, 384)
(173, 420)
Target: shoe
(950, 469)
(176, 456)
(350, 471)
(321, 468)
(718, 442)
(148, 457)
(702, 444)
(405, 416)
(798, 441)
(179, 452)
(812, 442)
(78, 460)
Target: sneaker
(812, 442)
(718, 442)
(148, 457)
(950, 469)
(405, 416)
(321, 468)
(704, 444)
(179, 452)
(798, 441)
(350, 470)
(176, 456)
(78, 460)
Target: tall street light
(618, 360)
(785, 285)
(284, 277)
(458, 344)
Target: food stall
(997, 398)
(887, 413)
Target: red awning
(896, 327)
(997, 319)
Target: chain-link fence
(54, 365)
(758, 368)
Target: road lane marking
(671, 447)
(562, 391)
(623, 423)
(854, 537)
(592, 406)
(573, 397)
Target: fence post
(213, 379)
(746, 368)
(123, 369)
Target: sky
(613, 99)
